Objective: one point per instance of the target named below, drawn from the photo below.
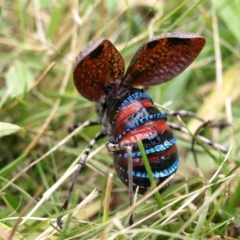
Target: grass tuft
(39, 41)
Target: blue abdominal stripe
(142, 121)
(158, 174)
(158, 148)
(134, 96)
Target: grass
(39, 41)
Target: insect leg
(81, 163)
(89, 123)
(203, 139)
(184, 113)
(128, 146)
(76, 125)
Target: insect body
(137, 118)
(128, 113)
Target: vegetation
(39, 41)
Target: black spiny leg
(184, 113)
(203, 139)
(81, 163)
(76, 125)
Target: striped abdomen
(137, 118)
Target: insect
(127, 113)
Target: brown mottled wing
(162, 58)
(98, 65)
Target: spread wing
(98, 65)
(163, 58)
